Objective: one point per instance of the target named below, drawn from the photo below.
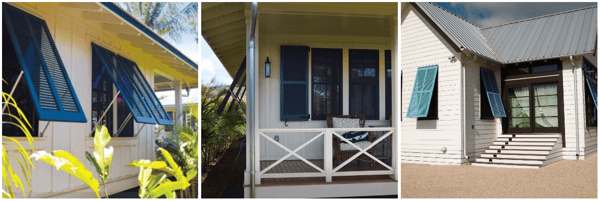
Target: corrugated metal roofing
(558, 34)
(549, 36)
(464, 33)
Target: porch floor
(298, 166)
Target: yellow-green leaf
(70, 164)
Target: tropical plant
(157, 185)
(102, 157)
(166, 18)
(68, 163)
(9, 177)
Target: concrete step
(529, 135)
(512, 161)
(528, 143)
(529, 152)
(521, 147)
(536, 139)
(505, 165)
(514, 156)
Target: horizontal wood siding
(423, 140)
(269, 90)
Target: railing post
(257, 158)
(328, 155)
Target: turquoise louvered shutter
(420, 101)
(43, 70)
(493, 93)
(592, 84)
(130, 93)
(294, 83)
(132, 71)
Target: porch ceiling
(147, 52)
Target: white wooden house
(289, 54)
(76, 58)
(520, 94)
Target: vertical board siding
(269, 90)
(73, 39)
(423, 140)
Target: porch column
(395, 123)
(178, 108)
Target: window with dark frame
(10, 73)
(122, 113)
(432, 114)
(485, 109)
(102, 95)
(591, 111)
(169, 128)
(364, 83)
(326, 83)
(388, 84)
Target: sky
(486, 15)
(211, 67)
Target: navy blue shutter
(592, 86)
(493, 93)
(294, 83)
(135, 74)
(420, 101)
(139, 109)
(47, 79)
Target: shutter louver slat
(47, 79)
(420, 100)
(138, 108)
(294, 83)
(493, 93)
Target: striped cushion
(347, 147)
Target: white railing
(328, 172)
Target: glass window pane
(518, 92)
(519, 112)
(543, 122)
(545, 90)
(546, 111)
(519, 102)
(544, 68)
(519, 123)
(546, 100)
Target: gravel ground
(562, 179)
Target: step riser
(524, 162)
(520, 147)
(505, 166)
(518, 152)
(536, 157)
(526, 139)
(532, 136)
(526, 143)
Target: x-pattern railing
(328, 170)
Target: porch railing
(328, 171)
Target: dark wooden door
(534, 107)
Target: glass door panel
(520, 113)
(546, 106)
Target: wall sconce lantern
(267, 68)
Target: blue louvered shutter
(592, 84)
(132, 71)
(47, 79)
(420, 101)
(294, 83)
(130, 93)
(493, 93)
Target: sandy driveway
(563, 179)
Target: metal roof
(559, 34)
(550, 36)
(462, 32)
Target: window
(533, 67)
(591, 97)
(491, 101)
(123, 115)
(294, 83)
(364, 83)
(102, 95)
(326, 83)
(169, 128)
(424, 99)
(388, 84)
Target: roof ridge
(539, 17)
(452, 14)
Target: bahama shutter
(131, 94)
(493, 94)
(43, 70)
(592, 84)
(294, 83)
(420, 100)
(132, 71)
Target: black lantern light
(267, 68)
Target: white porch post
(328, 156)
(178, 107)
(395, 102)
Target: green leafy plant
(157, 185)
(102, 157)
(9, 177)
(68, 163)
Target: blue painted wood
(420, 100)
(593, 87)
(43, 82)
(493, 93)
(294, 83)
